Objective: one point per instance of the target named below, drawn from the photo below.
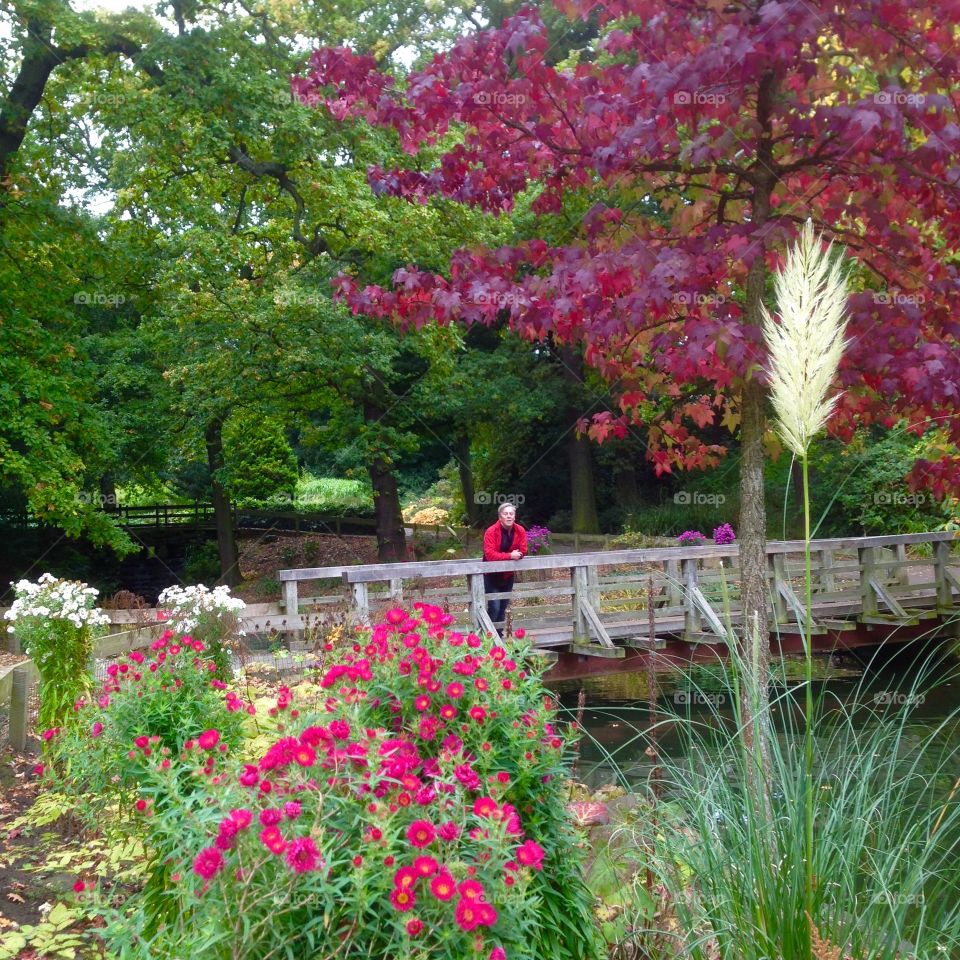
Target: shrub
(421, 812)
(202, 562)
(260, 462)
(147, 711)
(538, 540)
(211, 616)
(54, 621)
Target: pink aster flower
(273, 840)
(448, 831)
(467, 915)
(209, 739)
(485, 806)
(396, 615)
(403, 900)
(302, 855)
(405, 878)
(208, 863)
(421, 833)
(443, 886)
(425, 866)
(471, 890)
(530, 854)
(270, 817)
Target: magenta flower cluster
(538, 540)
(724, 534)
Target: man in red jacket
(503, 540)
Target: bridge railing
(604, 596)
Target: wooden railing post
(593, 587)
(361, 603)
(396, 590)
(581, 592)
(674, 584)
(778, 575)
(941, 557)
(867, 561)
(478, 600)
(828, 582)
(291, 602)
(692, 621)
(19, 705)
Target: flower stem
(808, 728)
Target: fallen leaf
(15, 898)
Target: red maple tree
(739, 119)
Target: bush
(211, 616)
(202, 563)
(421, 812)
(333, 495)
(148, 710)
(54, 620)
(260, 464)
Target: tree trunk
(628, 490)
(753, 519)
(226, 537)
(108, 492)
(391, 538)
(584, 502)
(466, 481)
(579, 453)
(40, 58)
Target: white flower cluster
(56, 599)
(185, 606)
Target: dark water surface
(617, 717)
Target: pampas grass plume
(808, 342)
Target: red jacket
(491, 546)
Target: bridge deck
(601, 603)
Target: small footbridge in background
(603, 604)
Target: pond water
(617, 714)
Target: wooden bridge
(604, 603)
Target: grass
(335, 494)
(728, 860)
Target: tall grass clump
(734, 864)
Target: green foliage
(260, 464)
(54, 620)
(54, 936)
(202, 564)
(887, 831)
(863, 482)
(145, 713)
(332, 494)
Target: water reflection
(616, 715)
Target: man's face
(507, 516)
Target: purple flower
(724, 534)
(692, 538)
(538, 538)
